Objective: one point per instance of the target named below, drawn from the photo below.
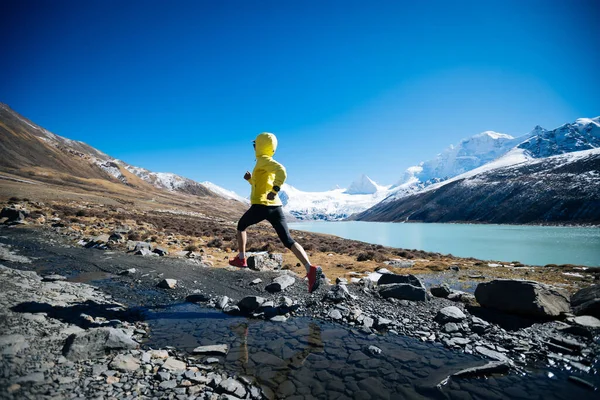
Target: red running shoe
(314, 278)
(238, 262)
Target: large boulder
(587, 301)
(527, 298)
(442, 291)
(95, 343)
(265, 262)
(403, 291)
(389, 278)
(251, 303)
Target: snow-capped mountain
(489, 146)
(516, 188)
(363, 185)
(228, 194)
(468, 154)
(334, 204)
(583, 134)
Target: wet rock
(389, 278)
(123, 362)
(335, 314)
(367, 321)
(13, 388)
(526, 298)
(173, 364)
(493, 367)
(250, 303)
(441, 291)
(234, 387)
(222, 302)
(232, 310)
(167, 284)
(286, 389)
(221, 349)
(280, 283)
(587, 301)
(54, 278)
(373, 350)
(568, 343)
(492, 354)
(403, 291)
(450, 314)
(558, 348)
(96, 342)
(587, 321)
(582, 382)
(383, 323)
(197, 298)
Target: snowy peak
(468, 154)
(331, 205)
(362, 185)
(583, 134)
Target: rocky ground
(133, 272)
(70, 340)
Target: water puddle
(316, 359)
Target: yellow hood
(265, 144)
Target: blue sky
(349, 87)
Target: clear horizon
(348, 88)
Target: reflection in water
(321, 360)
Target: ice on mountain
(362, 185)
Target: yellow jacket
(267, 172)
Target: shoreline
(361, 309)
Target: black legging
(274, 214)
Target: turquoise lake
(533, 245)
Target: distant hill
(34, 153)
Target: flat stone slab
(222, 349)
(173, 364)
(492, 367)
(587, 321)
